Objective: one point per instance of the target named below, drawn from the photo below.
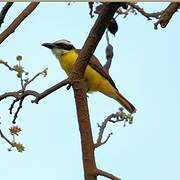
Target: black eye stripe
(64, 46)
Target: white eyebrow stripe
(63, 41)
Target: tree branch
(147, 15)
(167, 15)
(33, 78)
(119, 116)
(18, 109)
(51, 90)
(19, 94)
(11, 28)
(106, 174)
(6, 139)
(38, 96)
(7, 65)
(78, 85)
(4, 12)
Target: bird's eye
(64, 46)
(59, 45)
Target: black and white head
(59, 47)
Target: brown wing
(96, 65)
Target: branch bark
(50, 90)
(11, 28)
(167, 15)
(78, 85)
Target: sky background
(145, 69)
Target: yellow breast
(67, 60)
(94, 80)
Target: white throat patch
(58, 51)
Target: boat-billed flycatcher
(96, 77)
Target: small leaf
(113, 26)
(19, 69)
(20, 147)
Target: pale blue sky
(145, 69)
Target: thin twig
(7, 65)
(11, 28)
(145, 14)
(32, 79)
(6, 139)
(119, 116)
(106, 174)
(12, 105)
(17, 111)
(4, 12)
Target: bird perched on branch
(96, 77)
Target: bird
(96, 77)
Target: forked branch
(113, 118)
(22, 94)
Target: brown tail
(125, 103)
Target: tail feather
(125, 103)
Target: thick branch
(11, 28)
(167, 14)
(4, 12)
(93, 39)
(76, 76)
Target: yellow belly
(94, 80)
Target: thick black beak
(48, 45)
